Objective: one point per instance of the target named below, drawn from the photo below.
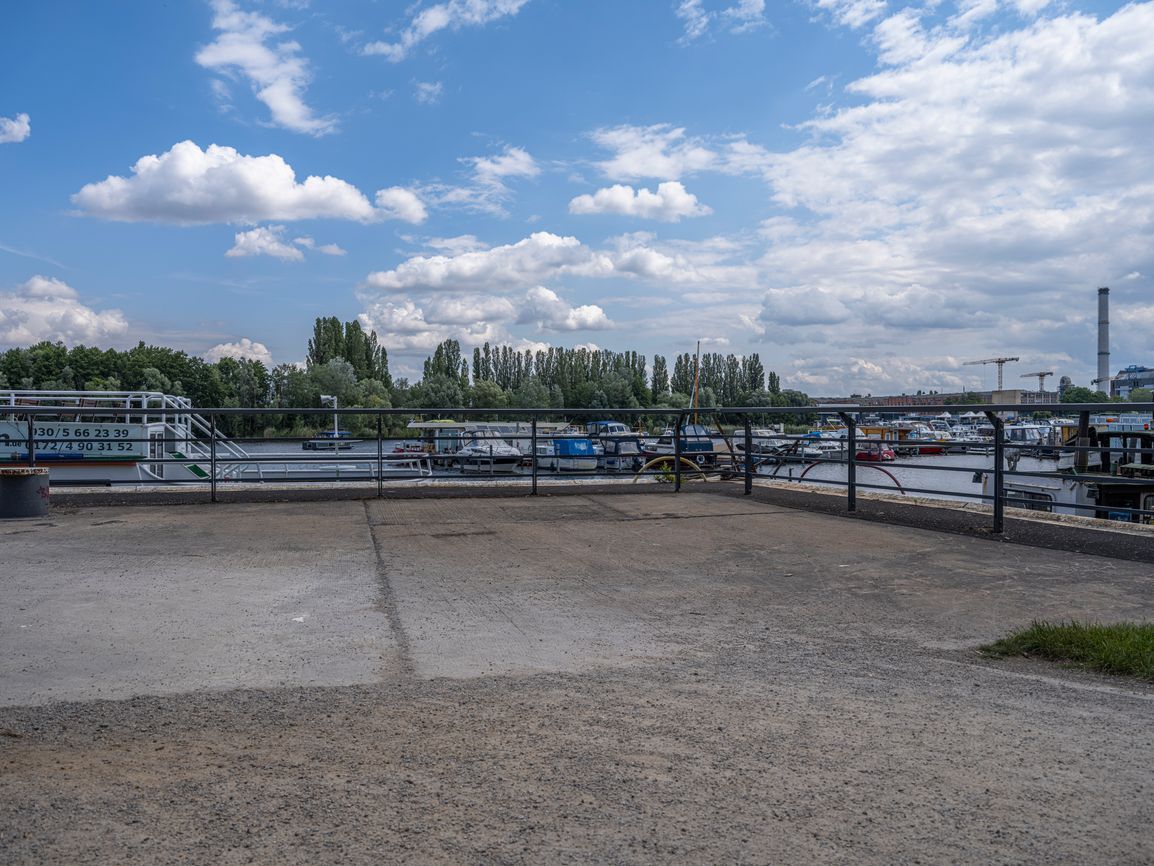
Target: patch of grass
(1123, 648)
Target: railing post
(677, 455)
(533, 452)
(999, 470)
(381, 458)
(212, 455)
(851, 461)
(31, 442)
(748, 456)
(1082, 457)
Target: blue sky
(866, 192)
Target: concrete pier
(691, 678)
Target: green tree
(437, 392)
(1079, 394)
(532, 394)
(1141, 395)
(328, 341)
(753, 373)
(337, 378)
(660, 382)
(447, 361)
(487, 395)
(970, 398)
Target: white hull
(570, 464)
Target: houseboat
(1117, 475)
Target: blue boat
(567, 453)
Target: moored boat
(567, 452)
(107, 437)
(487, 454)
(698, 443)
(330, 440)
(620, 447)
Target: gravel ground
(597, 679)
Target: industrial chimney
(1104, 339)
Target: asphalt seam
(388, 600)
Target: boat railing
(183, 431)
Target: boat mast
(696, 379)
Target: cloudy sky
(866, 192)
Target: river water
(951, 475)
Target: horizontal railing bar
(1051, 408)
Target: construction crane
(1041, 379)
(1001, 362)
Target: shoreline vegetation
(348, 362)
(1122, 649)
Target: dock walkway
(623, 677)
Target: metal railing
(739, 453)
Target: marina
(1099, 465)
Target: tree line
(347, 361)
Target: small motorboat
(487, 455)
(875, 453)
(330, 440)
(568, 452)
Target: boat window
(1030, 500)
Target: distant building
(1132, 377)
(1013, 396)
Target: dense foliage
(349, 363)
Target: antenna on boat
(325, 400)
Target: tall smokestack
(1104, 339)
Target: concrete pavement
(699, 678)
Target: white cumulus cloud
(276, 71)
(242, 348)
(265, 241)
(402, 325)
(187, 185)
(545, 257)
(14, 130)
(450, 15)
(45, 308)
(669, 203)
(491, 171)
(544, 308)
(403, 204)
(527, 262)
(325, 249)
(660, 151)
(270, 241)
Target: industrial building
(1130, 378)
